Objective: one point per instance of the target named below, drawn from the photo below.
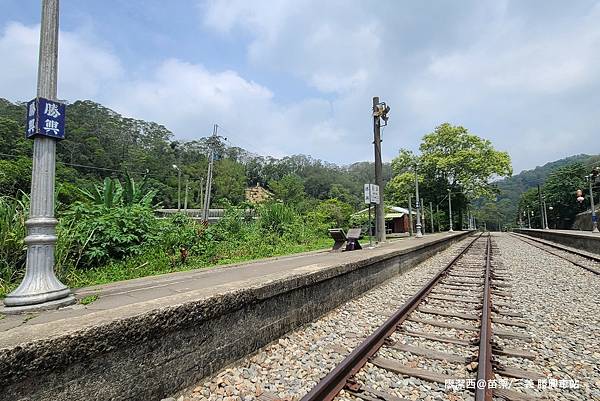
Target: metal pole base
(40, 288)
(419, 233)
(49, 305)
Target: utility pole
(520, 220)
(200, 198)
(178, 189)
(591, 178)
(40, 288)
(437, 216)
(380, 111)
(212, 142)
(419, 233)
(187, 187)
(423, 216)
(431, 216)
(528, 220)
(541, 207)
(209, 173)
(450, 209)
(545, 214)
(410, 225)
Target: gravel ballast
(558, 302)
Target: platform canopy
(391, 212)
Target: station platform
(173, 329)
(584, 240)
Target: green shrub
(99, 234)
(176, 232)
(13, 213)
(331, 213)
(275, 217)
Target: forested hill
(513, 187)
(558, 179)
(100, 142)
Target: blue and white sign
(45, 117)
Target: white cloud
(515, 58)
(188, 99)
(505, 70)
(328, 44)
(83, 69)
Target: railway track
(584, 260)
(467, 298)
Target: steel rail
(484, 368)
(328, 388)
(562, 248)
(590, 257)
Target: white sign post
(371, 194)
(371, 198)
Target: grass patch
(159, 263)
(2, 316)
(89, 299)
(30, 316)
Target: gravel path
(559, 303)
(291, 366)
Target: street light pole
(187, 187)
(450, 208)
(379, 207)
(178, 186)
(40, 288)
(423, 220)
(541, 207)
(410, 225)
(431, 216)
(418, 206)
(520, 220)
(545, 215)
(594, 217)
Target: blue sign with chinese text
(45, 117)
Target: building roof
(391, 212)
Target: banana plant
(113, 193)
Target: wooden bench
(343, 241)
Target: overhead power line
(91, 167)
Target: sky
(285, 77)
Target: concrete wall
(155, 354)
(583, 221)
(584, 241)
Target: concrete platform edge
(158, 352)
(585, 241)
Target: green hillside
(511, 190)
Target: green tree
(332, 213)
(229, 182)
(464, 160)
(289, 189)
(559, 191)
(451, 159)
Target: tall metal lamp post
(178, 186)
(418, 205)
(380, 113)
(450, 208)
(40, 288)
(545, 214)
(591, 178)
